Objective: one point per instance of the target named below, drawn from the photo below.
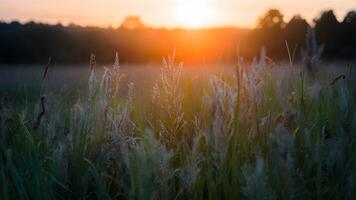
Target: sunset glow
(193, 13)
(164, 13)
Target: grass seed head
(92, 62)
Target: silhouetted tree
(327, 30)
(269, 33)
(295, 32)
(348, 35)
(132, 22)
(350, 18)
(272, 19)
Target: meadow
(259, 130)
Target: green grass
(251, 132)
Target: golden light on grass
(193, 13)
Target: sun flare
(193, 13)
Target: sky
(164, 13)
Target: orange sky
(169, 13)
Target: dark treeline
(33, 42)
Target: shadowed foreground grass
(260, 132)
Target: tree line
(35, 42)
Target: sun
(193, 13)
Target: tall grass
(266, 132)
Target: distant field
(62, 79)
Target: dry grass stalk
(341, 76)
(45, 73)
(41, 113)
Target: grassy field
(243, 131)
